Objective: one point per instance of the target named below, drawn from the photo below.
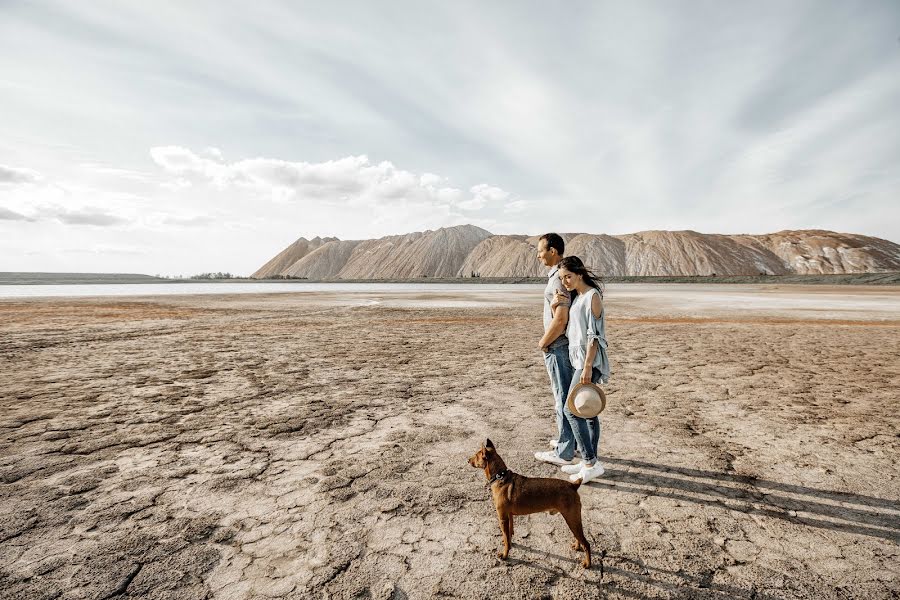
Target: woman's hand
(586, 374)
(558, 297)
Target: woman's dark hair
(554, 241)
(573, 264)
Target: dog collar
(498, 476)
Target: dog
(519, 495)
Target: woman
(586, 331)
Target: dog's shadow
(596, 560)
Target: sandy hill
(466, 249)
(282, 261)
(501, 254)
(325, 262)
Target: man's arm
(557, 326)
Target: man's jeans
(560, 371)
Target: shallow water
(168, 289)
(662, 300)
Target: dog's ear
(489, 444)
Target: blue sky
(179, 137)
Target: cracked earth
(295, 446)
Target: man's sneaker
(587, 473)
(554, 442)
(573, 468)
(552, 458)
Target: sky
(175, 138)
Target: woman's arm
(590, 352)
(558, 298)
(596, 306)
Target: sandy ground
(315, 445)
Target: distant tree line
(216, 275)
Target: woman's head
(572, 273)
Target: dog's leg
(573, 520)
(506, 529)
(510, 518)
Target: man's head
(551, 248)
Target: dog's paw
(586, 563)
(576, 545)
(502, 555)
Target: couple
(574, 346)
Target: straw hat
(586, 400)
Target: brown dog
(519, 495)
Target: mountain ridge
(464, 250)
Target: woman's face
(569, 279)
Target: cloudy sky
(179, 137)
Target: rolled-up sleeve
(601, 340)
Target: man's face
(547, 256)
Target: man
(555, 347)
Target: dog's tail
(576, 484)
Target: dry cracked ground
(294, 446)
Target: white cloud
(88, 216)
(106, 249)
(482, 195)
(517, 206)
(15, 175)
(348, 181)
(187, 221)
(11, 215)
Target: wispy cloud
(17, 175)
(89, 216)
(11, 215)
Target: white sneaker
(554, 443)
(573, 468)
(587, 473)
(552, 458)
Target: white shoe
(554, 443)
(587, 473)
(573, 468)
(552, 458)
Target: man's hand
(586, 374)
(544, 349)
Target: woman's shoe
(572, 469)
(587, 473)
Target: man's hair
(554, 241)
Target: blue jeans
(587, 431)
(559, 369)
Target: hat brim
(570, 401)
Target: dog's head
(480, 459)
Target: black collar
(499, 476)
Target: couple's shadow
(636, 572)
(856, 513)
